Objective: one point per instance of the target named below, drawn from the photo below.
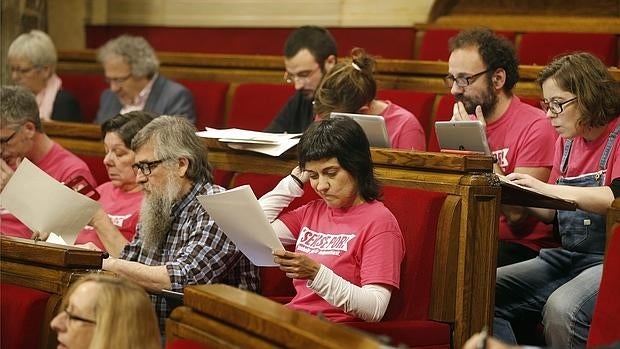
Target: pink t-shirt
(122, 207)
(62, 165)
(403, 128)
(363, 245)
(523, 137)
(585, 156)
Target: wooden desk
(46, 267)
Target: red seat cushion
(87, 88)
(541, 47)
(186, 344)
(418, 103)
(209, 101)
(255, 105)
(604, 328)
(96, 166)
(22, 313)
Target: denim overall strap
(610, 143)
(564, 164)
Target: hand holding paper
(252, 233)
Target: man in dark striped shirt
(176, 243)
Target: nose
(107, 159)
(322, 184)
(59, 323)
(551, 115)
(299, 83)
(141, 178)
(15, 76)
(115, 86)
(455, 89)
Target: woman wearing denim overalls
(582, 101)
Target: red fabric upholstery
(255, 105)
(22, 314)
(434, 45)
(443, 112)
(419, 103)
(87, 89)
(606, 317)
(96, 166)
(209, 101)
(540, 47)
(186, 344)
(406, 320)
(385, 42)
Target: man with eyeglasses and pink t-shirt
(309, 52)
(483, 70)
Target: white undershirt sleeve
(368, 302)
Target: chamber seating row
(535, 43)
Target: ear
(330, 62)
(499, 78)
(183, 167)
(29, 129)
(47, 70)
(364, 109)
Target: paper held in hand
(273, 144)
(44, 204)
(252, 233)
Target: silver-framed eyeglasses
(6, 140)
(555, 106)
(461, 81)
(301, 76)
(118, 80)
(146, 167)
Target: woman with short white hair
(32, 60)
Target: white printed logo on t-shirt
(312, 242)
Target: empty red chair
(418, 103)
(540, 48)
(23, 316)
(87, 88)
(209, 101)
(254, 105)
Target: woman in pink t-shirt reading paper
(349, 246)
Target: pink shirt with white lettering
(122, 207)
(362, 244)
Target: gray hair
(175, 137)
(18, 106)
(135, 51)
(35, 46)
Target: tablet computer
(462, 135)
(373, 126)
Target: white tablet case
(373, 126)
(462, 135)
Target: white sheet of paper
(239, 215)
(55, 239)
(273, 144)
(44, 204)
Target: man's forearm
(108, 233)
(152, 278)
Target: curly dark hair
(495, 50)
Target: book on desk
(515, 194)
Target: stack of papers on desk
(273, 144)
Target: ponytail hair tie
(356, 67)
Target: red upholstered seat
(434, 45)
(406, 320)
(186, 344)
(22, 314)
(419, 103)
(443, 112)
(87, 88)
(209, 101)
(541, 47)
(604, 329)
(96, 166)
(254, 105)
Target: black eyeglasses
(555, 106)
(6, 140)
(72, 316)
(461, 81)
(117, 80)
(146, 167)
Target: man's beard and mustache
(155, 218)
(487, 100)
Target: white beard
(155, 220)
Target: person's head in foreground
(20, 126)
(117, 134)
(580, 95)
(101, 311)
(169, 159)
(336, 155)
